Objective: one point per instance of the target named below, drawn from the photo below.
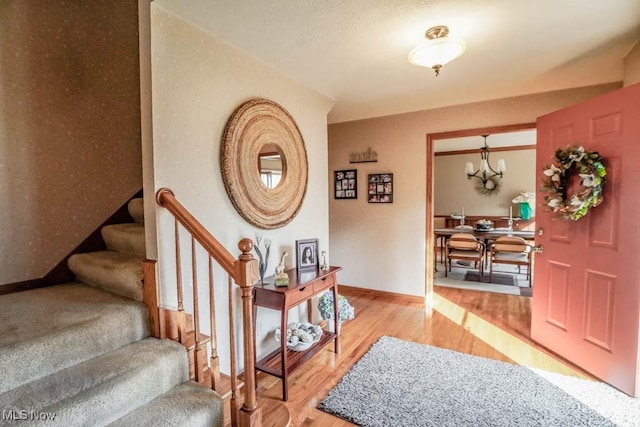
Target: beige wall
(198, 81)
(453, 190)
(382, 247)
(69, 126)
(632, 66)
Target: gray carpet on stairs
(81, 354)
(49, 329)
(105, 388)
(188, 404)
(125, 238)
(136, 210)
(112, 271)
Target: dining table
(485, 235)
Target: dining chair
(465, 247)
(513, 251)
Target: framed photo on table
(307, 254)
(380, 188)
(345, 184)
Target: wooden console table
(302, 287)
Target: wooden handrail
(244, 271)
(166, 199)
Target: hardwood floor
(481, 323)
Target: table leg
(309, 307)
(283, 353)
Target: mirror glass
(270, 165)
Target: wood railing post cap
(245, 245)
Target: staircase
(80, 354)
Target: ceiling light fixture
(437, 50)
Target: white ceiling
(355, 51)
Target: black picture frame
(380, 188)
(345, 184)
(303, 261)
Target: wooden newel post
(246, 276)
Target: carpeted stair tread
(112, 271)
(189, 404)
(49, 329)
(136, 210)
(125, 238)
(101, 390)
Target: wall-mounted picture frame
(345, 184)
(380, 188)
(307, 254)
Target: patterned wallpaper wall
(69, 126)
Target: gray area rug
(400, 383)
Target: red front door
(586, 299)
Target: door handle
(538, 249)
(540, 231)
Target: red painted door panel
(586, 300)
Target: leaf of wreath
(568, 162)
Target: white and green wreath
(492, 186)
(572, 161)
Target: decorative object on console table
(300, 336)
(324, 266)
(346, 184)
(262, 261)
(282, 279)
(326, 308)
(380, 188)
(307, 254)
(526, 200)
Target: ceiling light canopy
(437, 49)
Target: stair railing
(244, 272)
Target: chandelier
(485, 172)
(437, 49)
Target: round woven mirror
(254, 125)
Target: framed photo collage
(379, 186)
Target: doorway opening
(455, 203)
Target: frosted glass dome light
(437, 50)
